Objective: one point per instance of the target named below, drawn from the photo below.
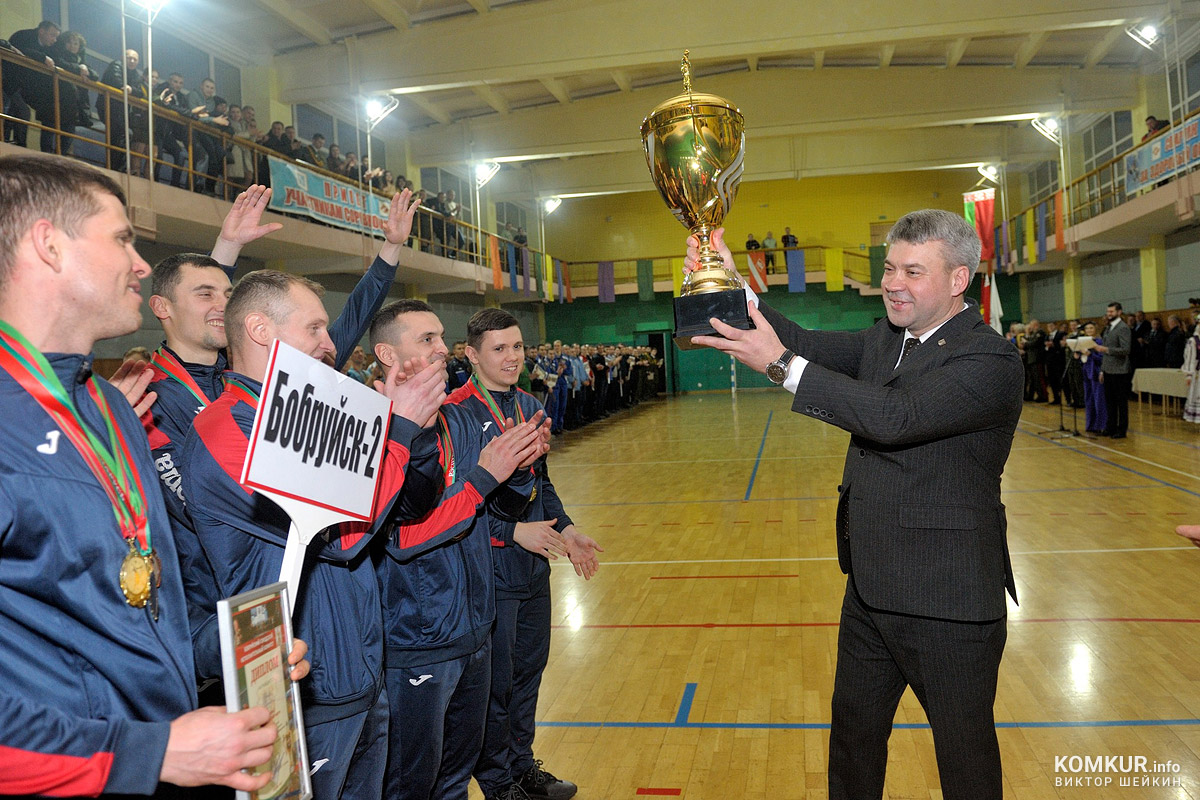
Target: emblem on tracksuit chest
(50, 446)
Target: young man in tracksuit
(97, 687)
(189, 292)
(521, 548)
(439, 606)
(243, 534)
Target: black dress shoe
(1117, 435)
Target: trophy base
(692, 313)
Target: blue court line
(1165, 439)
(685, 704)
(1094, 457)
(762, 444)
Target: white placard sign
(315, 449)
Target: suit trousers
(1116, 393)
(952, 668)
(520, 651)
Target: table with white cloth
(1162, 381)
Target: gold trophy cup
(694, 147)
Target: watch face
(776, 373)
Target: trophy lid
(688, 104)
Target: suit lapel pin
(941, 342)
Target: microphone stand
(1062, 432)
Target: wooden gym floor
(699, 662)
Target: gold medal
(137, 574)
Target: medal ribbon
(113, 467)
(447, 447)
(171, 366)
(242, 392)
(481, 391)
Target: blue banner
(296, 190)
(795, 270)
(511, 253)
(1162, 157)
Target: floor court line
(1165, 439)
(802, 559)
(834, 496)
(901, 726)
(600, 626)
(1122, 453)
(758, 458)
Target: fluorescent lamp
(988, 172)
(378, 109)
(551, 204)
(1145, 35)
(1048, 127)
(485, 172)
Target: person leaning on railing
(27, 89)
(123, 77)
(73, 110)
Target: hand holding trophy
(694, 147)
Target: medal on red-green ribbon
(242, 392)
(447, 448)
(485, 395)
(112, 465)
(172, 368)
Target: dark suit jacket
(920, 525)
(1118, 339)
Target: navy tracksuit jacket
(521, 638)
(88, 684)
(172, 415)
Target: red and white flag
(757, 262)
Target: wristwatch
(777, 370)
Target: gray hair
(960, 243)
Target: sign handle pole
(293, 561)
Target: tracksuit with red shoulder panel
(88, 684)
(439, 608)
(337, 609)
(521, 638)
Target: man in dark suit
(931, 397)
(1116, 371)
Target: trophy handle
(711, 274)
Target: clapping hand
(415, 389)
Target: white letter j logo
(51, 445)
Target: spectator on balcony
(752, 243)
(295, 146)
(1154, 127)
(26, 89)
(128, 79)
(73, 108)
(334, 162)
(769, 244)
(315, 152)
(170, 135)
(203, 107)
(789, 240)
(351, 169)
(239, 161)
(453, 233)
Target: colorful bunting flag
(757, 263)
(605, 282)
(494, 260)
(795, 270)
(645, 278)
(979, 208)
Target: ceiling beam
(818, 59)
(429, 107)
(493, 98)
(537, 28)
(1029, 48)
(482, 6)
(752, 63)
(791, 157)
(557, 88)
(621, 79)
(955, 51)
(886, 53)
(391, 12)
(299, 19)
(835, 101)
(1103, 47)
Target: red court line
(668, 523)
(1184, 621)
(706, 523)
(662, 792)
(773, 520)
(703, 577)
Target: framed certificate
(256, 638)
